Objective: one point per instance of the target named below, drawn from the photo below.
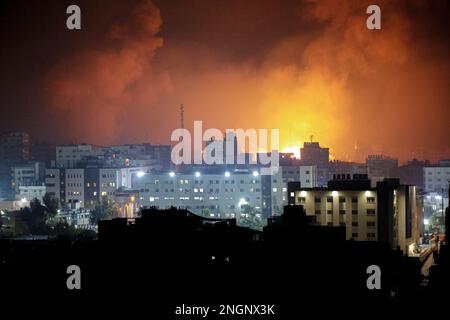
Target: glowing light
(227, 174)
(140, 174)
(334, 193)
(197, 174)
(303, 193)
(294, 150)
(23, 200)
(367, 193)
(426, 222)
(172, 174)
(242, 202)
(255, 173)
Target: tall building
(313, 154)
(83, 186)
(68, 156)
(27, 174)
(436, 177)
(380, 167)
(14, 149)
(388, 212)
(412, 173)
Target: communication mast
(182, 116)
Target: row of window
(369, 212)
(153, 199)
(200, 190)
(341, 199)
(184, 181)
(370, 235)
(74, 176)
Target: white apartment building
(26, 174)
(53, 182)
(31, 192)
(108, 182)
(85, 186)
(308, 176)
(74, 186)
(68, 156)
(436, 178)
(221, 194)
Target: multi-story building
(74, 186)
(30, 193)
(68, 156)
(14, 149)
(212, 194)
(437, 177)
(27, 174)
(388, 212)
(313, 154)
(85, 186)
(308, 176)
(380, 167)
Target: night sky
(305, 67)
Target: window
(342, 224)
(341, 211)
(370, 199)
(317, 212)
(341, 199)
(330, 199)
(301, 199)
(330, 224)
(370, 212)
(329, 211)
(371, 224)
(354, 200)
(317, 200)
(371, 235)
(354, 223)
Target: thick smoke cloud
(109, 88)
(305, 67)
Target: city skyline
(306, 68)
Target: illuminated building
(218, 193)
(388, 212)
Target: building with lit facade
(437, 177)
(217, 193)
(388, 212)
(85, 186)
